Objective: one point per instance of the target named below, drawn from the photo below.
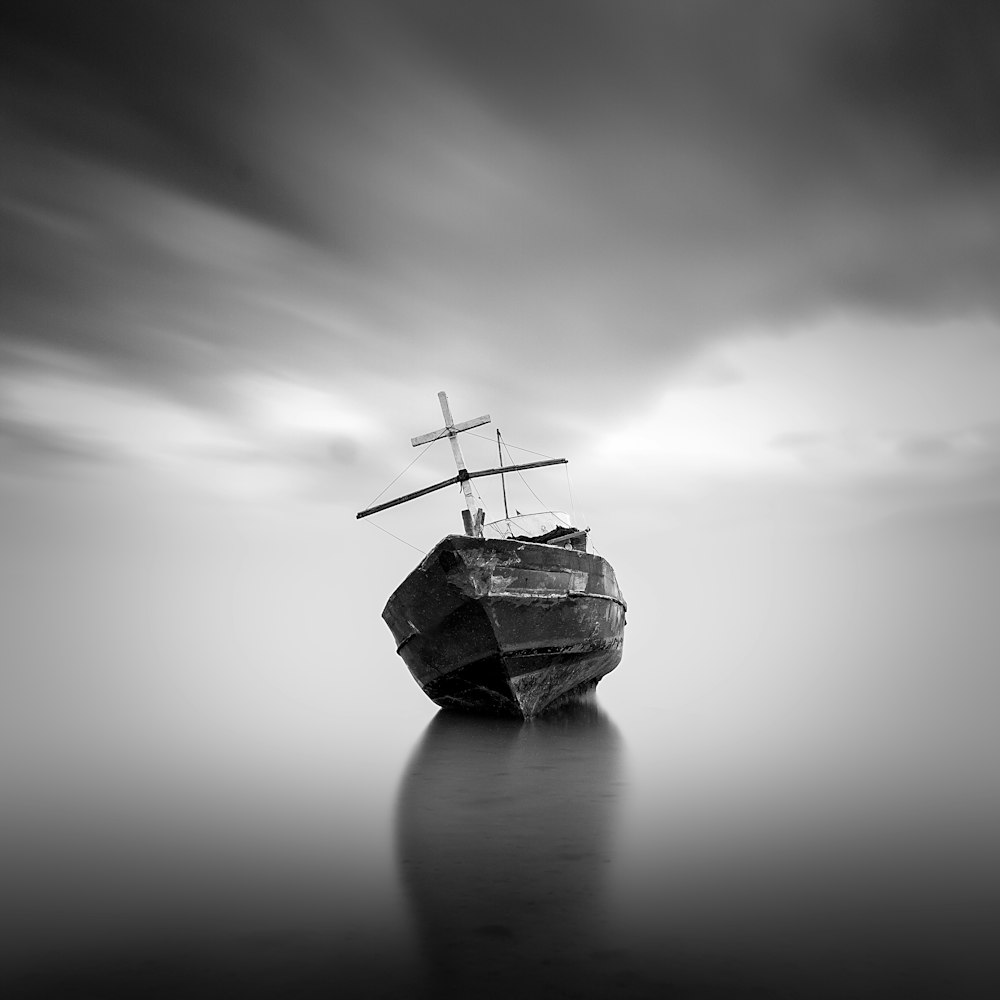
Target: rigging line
(482, 502)
(525, 481)
(540, 454)
(475, 489)
(569, 486)
(420, 455)
(374, 524)
(503, 479)
(542, 503)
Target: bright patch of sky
(130, 423)
(284, 405)
(850, 396)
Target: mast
(474, 517)
(503, 480)
(454, 479)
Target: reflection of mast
(504, 831)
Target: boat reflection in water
(505, 831)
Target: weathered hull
(504, 626)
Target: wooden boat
(513, 617)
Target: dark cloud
(976, 440)
(765, 80)
(945, 483)
(581, 187)
(152, 87)
(324, 453)
(972, 522)
(927, 447)
(45, 445)
(931, 70)
(973, 447)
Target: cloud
(933, 448)
(278, 438)
(969, 448)
(156, 91)
(779, 159)
(48, 445)
(946, 484)
(507, 198)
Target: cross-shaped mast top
(474, 516)
(451, 430)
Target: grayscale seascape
(737, 263)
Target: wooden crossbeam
(457, 479)
(465, 425)
(409, 496)
(450, 428)
(517, 468)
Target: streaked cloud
(375, 201)
(852, 386)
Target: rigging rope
(523, 480)
(375, 500)
(483, 437)
(420, 455)
(375, 524)
(569, 486)
(540, 454)
(475, 488)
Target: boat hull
(506, 626)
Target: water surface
(568, 856)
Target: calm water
(580, 855)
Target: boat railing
(551, 527)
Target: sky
(736, 261)
(246, 245)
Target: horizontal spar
(465, 425)
(517, 468)
(409, 496)
(458, 479)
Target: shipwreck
(515, 616)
